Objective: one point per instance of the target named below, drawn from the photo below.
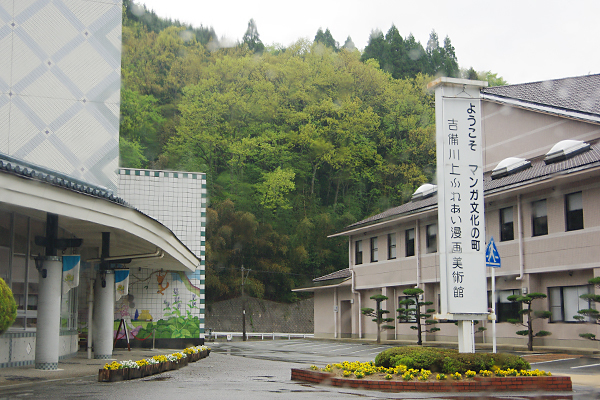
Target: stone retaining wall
(261, 316)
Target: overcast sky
(522, 41)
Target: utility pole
(244, 277)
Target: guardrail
(262, 336)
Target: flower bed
(401, 379)
(124, 370)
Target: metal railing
(262, 336)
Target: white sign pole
(494, 310)
(461, 217)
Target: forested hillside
(297, 142)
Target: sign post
(461, 217)
(492, 260)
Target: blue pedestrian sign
(492, 257)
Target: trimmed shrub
(8, 307)
(505, 361)
(418, 357)
(448, 361)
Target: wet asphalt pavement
(260, 370)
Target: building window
(431, 231)
(374, 250)
(18, 269)
(358, 252)
(539, 218)
(410, 242)
(506, 309)
(574, 211)
(391, 246)
(565, 302)
(506, 224)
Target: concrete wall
(18, 348)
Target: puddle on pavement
(22, 378)
(157, 379)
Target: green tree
(8, 307)
(435, 54)
(252, 38)
(592, 314)
(450, 64)
(131, 153)
(139, 126)
(376, 47)
(273, 190)
(378, 315)
(472, 74)
(531, 316)
(412, 312)
(349, 44)
(326, 39)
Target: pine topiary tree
(594, 315)
(377, 315)
(421, 318)
(8, 307)
(532, 315)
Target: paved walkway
(74, 367)
(80, 366)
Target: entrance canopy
(87, 211)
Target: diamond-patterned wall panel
(5, 44)
(4, 127)
(63, 85)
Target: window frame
(539, 221)
(429, 238)
(409, 244)
(374, 249)
(391, 237)
(506, 234)
(572, 217)
(511, 309)
(358, 253)
(561, 289)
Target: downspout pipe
(90, 318)
(335, 312)
(520, 233)
(418, 251)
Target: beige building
(542, 192)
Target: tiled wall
(177, 200)
(60, 85)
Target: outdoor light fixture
(39, 265)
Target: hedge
(447, 361)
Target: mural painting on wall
(170, 312)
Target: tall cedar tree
(252, 38)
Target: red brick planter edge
(477, 384)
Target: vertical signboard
(461, 216)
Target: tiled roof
(343, 273)
(580, 94)
(538, 170)
(27, 170)
(411, 206)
